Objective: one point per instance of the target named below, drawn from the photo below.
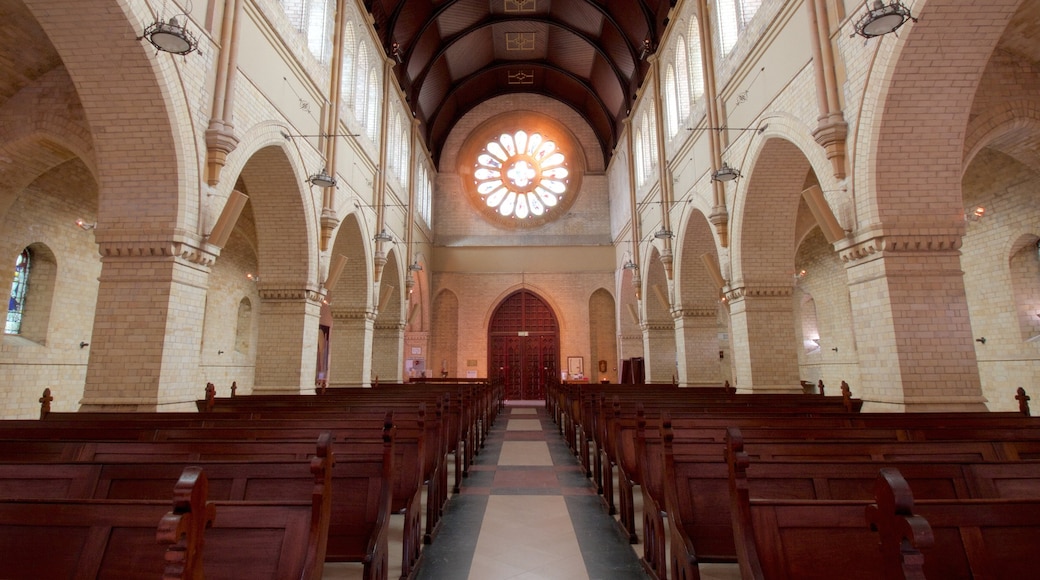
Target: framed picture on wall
(575, 367)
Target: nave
(527, 511)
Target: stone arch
(906, 183)
(350, 302)
(630, 334)
(387, 338)
(284, 233)
(658, 325)
(143, 90)
(603, 341)
(696, 309)
(1024, 265)
(444, 336)
(1006, 129)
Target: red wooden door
(523, 346)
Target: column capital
(363, 313)
(289, 293)
(759, 291)
(877, 242)
(136, 244)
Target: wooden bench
(144, 538)
(939, 538)
(361, 479)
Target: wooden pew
(361, 479)
(245, 539)
(939, 538)
(106, 538)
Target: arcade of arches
(161, 229)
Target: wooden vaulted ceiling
(454, 54)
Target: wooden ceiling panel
(459, 53)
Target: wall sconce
(981, 340)
(255, 278)
(663, 234)
(83, 225)
(382, 236)
(883, 19)
(84, 344)
(171, 36)
(322, 179)
(395, 51)
(647, 50)
(975, 215)
(725, 173)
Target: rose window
(521, 175)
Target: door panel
(523, 345)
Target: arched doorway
(524, 345)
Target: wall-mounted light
(647, 50)
(84, 344)
(882, 19)
(725, 173)
(253, 277)
(83, 225)
(975, 214)
(981, 340)
(395, 51)
(322, 179)
(171, 36)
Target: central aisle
(527, 511)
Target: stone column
(350, 347)
(763, 340)
(387, 351)
(912, 325)
(697, 346)
(287, 356)
(659, 341)
(144, 351)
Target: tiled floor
(527, 512)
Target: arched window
(406, 161)
(360, 80)
(733, 18)
(696, 67)
(671, 101)
(682, 80)
(650, 135)
(19, 290)
(372, 109)
(346, 86)
(319, 29)
(640, 170)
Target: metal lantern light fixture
(383, 236)
(171, 36)
(882, 19)
(725, 173)
(322, 179)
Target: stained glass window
(19, 289)
(521, 175)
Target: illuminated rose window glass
(521, 175)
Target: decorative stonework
(655, 325)
(874, 247)
(353, 314)
(395, 325)
(742, 292)
(679, 313)
(293, 293)
(188, 251)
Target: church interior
(543, 204)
